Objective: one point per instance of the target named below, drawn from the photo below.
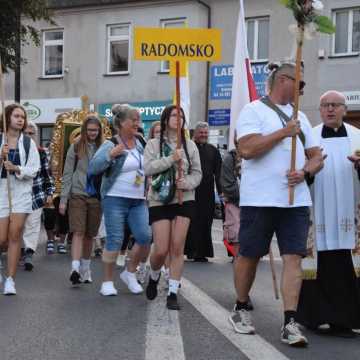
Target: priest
(330, 296)
(199, 245)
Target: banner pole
(178, 143)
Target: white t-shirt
(263, 180)
(124, 185)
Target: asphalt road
(49, 320)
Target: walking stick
(178, 142)
(273, 274)
(2, 97)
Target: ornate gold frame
(66, 129)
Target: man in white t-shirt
(264, 131)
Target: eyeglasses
(92, 130)
(332, 104)
(302, 83)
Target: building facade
(89, 52)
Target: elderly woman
(123, 198)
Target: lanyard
(132, 153)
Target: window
(53, 53)
(346, 40)
(258, 38)
(118, 44)
(46, 133)
(169, 24)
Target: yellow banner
(177, 44)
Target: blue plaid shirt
(43, 185)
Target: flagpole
(178, 142)
(300, 42)
(2, 97)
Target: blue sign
(260, 74)
(221, 82)
(219, 117)
(222, 76)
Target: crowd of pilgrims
(142, 204)
(119, 200)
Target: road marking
(163, 334)
(253, 346)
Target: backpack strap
(141, 139)
(266, 100)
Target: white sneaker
(241, 321)
(130, 280)
(9, 286)
(85, 275)
(108, 289)
(120, 261)
(292, 335)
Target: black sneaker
(249, 304)
(151, 289)
(171, 302)
(75, 277)
(28, 262)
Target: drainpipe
(207, 63)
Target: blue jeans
(117, 212)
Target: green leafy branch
(306, 12)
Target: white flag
(243, 86)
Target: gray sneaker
(291, 334)
(241, 321)
(28, 262)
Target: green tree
(14, 32)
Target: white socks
(173, 286)
(154, 274)
(75, 265)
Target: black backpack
(27, 143)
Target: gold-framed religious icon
(66, 131)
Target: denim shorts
(259, 224)
(119, 211)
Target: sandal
(50, 247)
(61, 249)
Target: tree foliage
(10, 31)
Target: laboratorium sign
(177, 44)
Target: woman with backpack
(20, 162)
(170, 220)
(121, 164)
(84, 211)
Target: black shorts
(258, 225)
(169, 212)
(53, 220)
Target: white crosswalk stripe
(253, 346)
(163, 334)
